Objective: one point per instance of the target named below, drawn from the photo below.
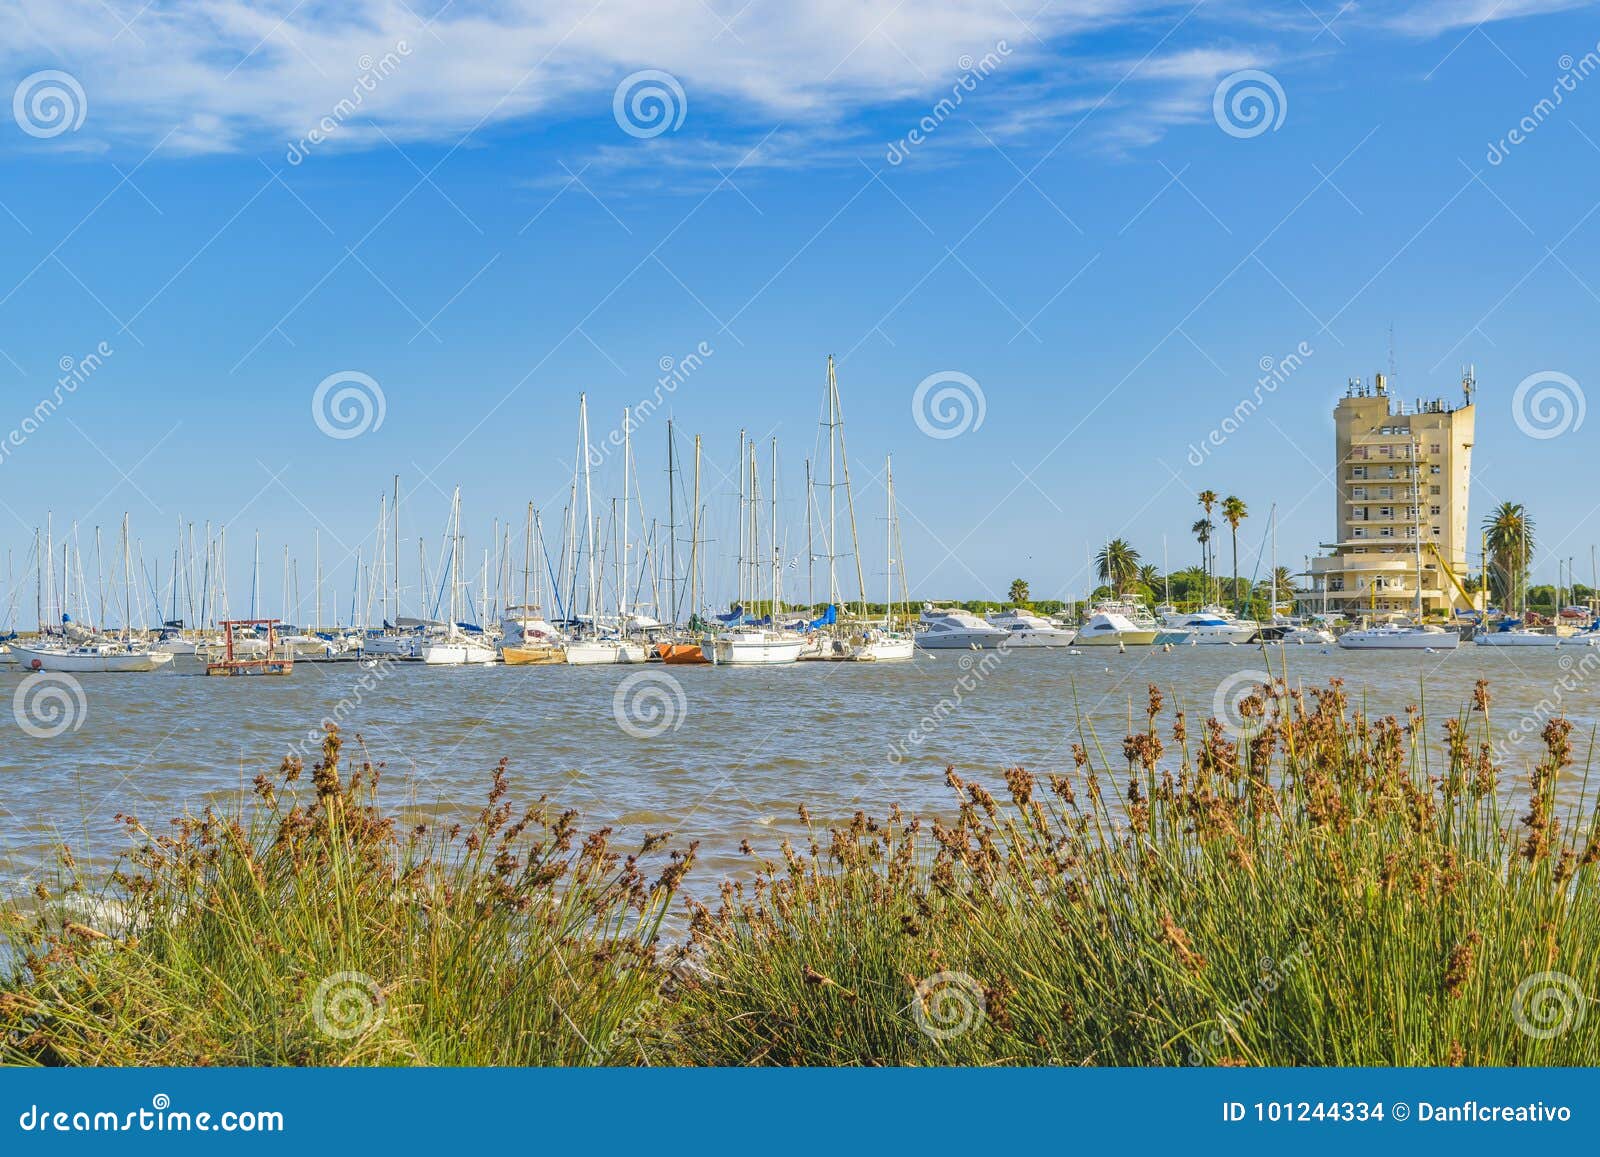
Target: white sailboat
(748, 644)
(595, 644)
(884, 643)
(455, 647)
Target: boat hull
(78, 662)
(757, 652)
(885, 651)
(681, 653)
(1516, 639)
(1399, 640)
(1134, 638)
(456, 654)
(532, 655)
(599, 652)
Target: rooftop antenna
(1392, 375)
(1469, 382)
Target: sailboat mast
(833, 537)
(672, 530)
(777, 561)
(811, 555)
(624, 560)
(694, 537)
(588, 507)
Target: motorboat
(1400, 637)
(1114, 629)
(947, 628)
(1210, 625)
(1025, 629)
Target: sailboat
(1399, 635)
(886, 644)
(455, 647)
(595, 644)
(751, 643)
(526, 637)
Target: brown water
(738, 748)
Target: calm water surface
(748, 746)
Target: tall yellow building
(1402, 475)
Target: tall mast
(588, 506)
(888, 574)
(833, 409)
(127, 580)
(694, 537)
(672, 531)
(394, 578)
(255, 576)
(772, 530)
(527, 557)
(739, 593)
(623, 567)
(811, 554)
(316, 548)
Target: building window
(1358, 471)
(1437, 533)
(1435, 448)
(1433, 469)
(1433, 490)
(1358, 532)
(1433, 510)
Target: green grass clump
(321, 934)
(1303, 893)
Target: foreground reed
(1297, 890)
(323, 933)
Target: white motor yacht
(1113, 629)
(1025, 629)
(1400, 637)
(1210, 625)
(951, 628)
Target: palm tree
(1282, 578)
(1118, 563)
(1207, 499)
(1202, 531)
(1019, 591)
(1150, 578)
(1234, 512)
(1508, 532)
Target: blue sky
(1082, 237)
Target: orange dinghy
(681, 653)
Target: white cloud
(219, 74)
